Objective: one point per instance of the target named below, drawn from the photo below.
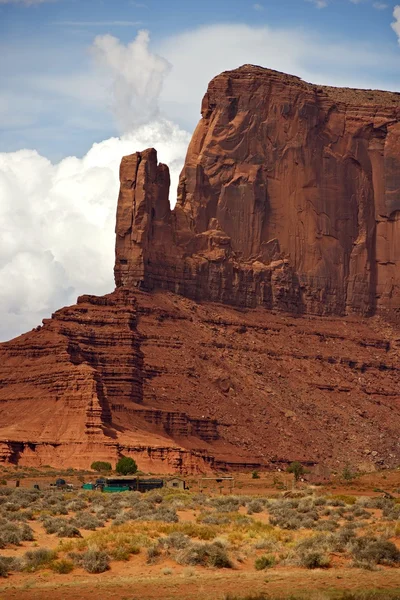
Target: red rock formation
(289, 199)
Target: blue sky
(45, 49)
(84, 82)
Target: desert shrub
(85, 520)
(391, 511)
(314, 560)
(27, 534)
(360, 512)
(126, 466)
(95, 561)
(214, 519)
(329, 525)
(101, 466)
(3, 567)
(123, 551)
(11, 533)
(226, 503)
(175, 540)
(52, 525)
(153, 552)
(76, 505)
(255, 475)
(336, 501)
(68, 531)
(8, 564)
(264, 562)
(268, 544)
(346, 499)
(374, 550)
(213, 555)
(254, 507)
(35, 559)
(320, 501)
(120, 519)
(62, 566)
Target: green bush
(62, 566)
(264, 562)
(101, 466)
(297, 469)
(314, 560)
(126, 466)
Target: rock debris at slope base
(289, 201)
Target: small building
(176, 483)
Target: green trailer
(110, 489)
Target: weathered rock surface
(289, 199)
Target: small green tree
(126, 466)
(100, 466)
(347, 473)
(297, 469)
(255, 475)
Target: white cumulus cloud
(137, 77)
(396, 22)
(58, 221)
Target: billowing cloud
(396, 22)
(137, 77)
(58, 220)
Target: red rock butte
(254, 324)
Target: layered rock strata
(189, 387)
(289, 199)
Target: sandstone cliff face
(289, 199)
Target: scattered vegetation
(126, 466)
(101, 466)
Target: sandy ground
(128, 581)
